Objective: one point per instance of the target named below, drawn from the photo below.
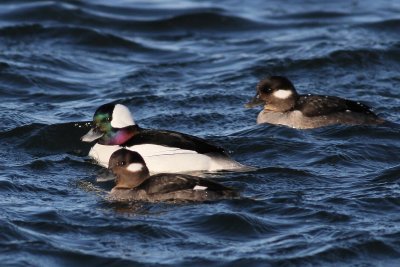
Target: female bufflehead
(163, 151)
(133, 182)
(282, 105)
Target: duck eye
(121, 163)
(108, 118)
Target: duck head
(112, 125)
(129, 168)
(276, 93)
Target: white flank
(200, 188)
(283, 94)
(135, 167)
(166, 159)
(102, 154)
(122, 117)
(148, 150)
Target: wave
(229, 225)
(43, 238)
(366, 58)
(56, 138)
(182, 20)
(72, 35)
(387, 25)
(207, 21)
(325, 254)
(388, 175)
(316, 15)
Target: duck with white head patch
(134, 183)
(163, 151)
(284, 106)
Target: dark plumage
(173, 139)
(133, 182)
(318, 105)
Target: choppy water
(321, 197)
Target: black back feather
(318, 105)
(166, 183)
(174, 139)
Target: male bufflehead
(163, 151)
(133, 182)
(282, 105)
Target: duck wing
(174, 139)
(319, 105)
(166, 183)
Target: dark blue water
(325, 197)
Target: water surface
(320, 197)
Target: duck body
(313, 111)
(134, 183)
(283, 106)
(174, 187)
(163, 151)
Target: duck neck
(281, 105)
(130, 180)
(118, 136)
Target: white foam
(282, 93)
(121, 117)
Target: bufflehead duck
(163, 151)
(282, 105)
(133, 182)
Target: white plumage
(161, 159)
(135, 167)
(121, 117)
(282, 94)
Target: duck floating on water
(284, 106)
(134, 183)
(163, 151)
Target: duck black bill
(256, 101)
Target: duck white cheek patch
(199, 188)
(134, 167)
(283, 94)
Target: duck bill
(256, 101)
(92, 135)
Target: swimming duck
(284, 106)
(133, 182)
(163, 151)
